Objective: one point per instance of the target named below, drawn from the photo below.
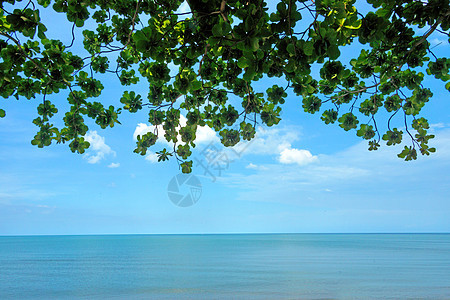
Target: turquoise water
(266, 266)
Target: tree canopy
(219, 49)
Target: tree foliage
(220, 48)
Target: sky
(300, 176)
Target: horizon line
(219, 233)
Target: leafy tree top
(220, 48)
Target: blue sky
(299, 176)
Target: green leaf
(249, 74)
(163, 155)
(44, 3)
(184, 151)
(247, 131)
(355, 25)
(144, 142)
(291, 66)
(186, 167)
(254, 43)
(270, 114)
(196, 85)
(366, 132)
(242, 62)
(308, 48)
(333, 52)
(217, 30)
(373, 145)
(198, 66)
(408, 153)
(311, 104)
(348, 121)
(393, 137)
(132, 102)
(384, 12)
(329, 116)
(291, 49)
(229, 137)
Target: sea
(226, 266)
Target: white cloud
(152, 157)
(204, 134)
(355, 176)
(273, 141)
(98, 146)
(438, 126)
(141, 129)
(114, 165)
(256, 167)
(296, 156)
(276, 141)
(269, 141)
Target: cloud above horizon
(352, 176)
(98, 149)
(296, 156)
(151, 157)
(277, 141)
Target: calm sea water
(268, 266)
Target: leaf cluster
(219, 50)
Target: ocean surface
(247, 266)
